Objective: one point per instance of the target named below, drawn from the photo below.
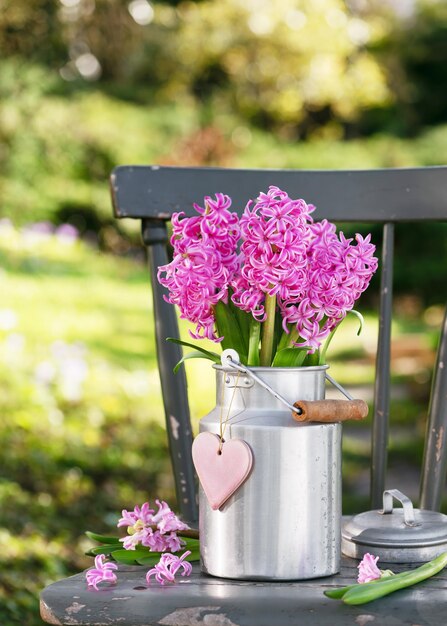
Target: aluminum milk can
(284, 521)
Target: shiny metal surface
(284, 523)
(407, 505)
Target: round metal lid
(396, 529)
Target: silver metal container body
(284, 522)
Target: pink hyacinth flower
(168, 566)
(102, 572)
(275, 234)
(204, 263)
(143, 514)
(156, 531)
(130, 542)
(166, 519)
(155, 541)
(368, 569)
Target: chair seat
(202, 599)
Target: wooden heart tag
(221, 469)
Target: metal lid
(396, 535)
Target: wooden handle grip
(329, 411)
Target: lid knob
(407, 506)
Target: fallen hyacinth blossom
(368, 569)
(156, 531)
(102, 572)
(168, 566)
(153, 538)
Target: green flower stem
(253, 342)
(292, 337)
(340, 592)
(322, 359)
(268, 331)
(363, 593)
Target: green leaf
(191, 544)
(228, 328)
(211, 355)
(149, 560)
(339, 592)
(131, 557)
(101, 538)
(107, 549)
(194, 556)
(193, 355)
(367, 592)
(154, 557)
(360, 318)
(243, 319)
(287, 339)
(312, 359)
(253, 342)
(322, 359)
(289, 357)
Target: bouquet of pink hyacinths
(153, 539)
(273, 284)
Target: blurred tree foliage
(280, 64)
(418, 72)
(32, 29)
(294, 65)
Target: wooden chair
(151, 194)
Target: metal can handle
(231, 358)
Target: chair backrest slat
(154, 193)
(392, 195)
(435, 457)
(379, 438)
(173, 386)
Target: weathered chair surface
(201, 599)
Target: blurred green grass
(72, 454)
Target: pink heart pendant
(221, 474)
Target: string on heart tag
(223, 424)
(222, 466)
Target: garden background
(89, 84)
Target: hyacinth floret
(156, 531)
(102, 572)
(338, 271)
(274, 236)
(205, 262)
(168, 566)
(368, 569)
